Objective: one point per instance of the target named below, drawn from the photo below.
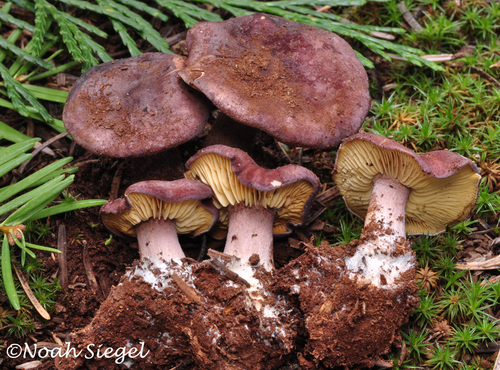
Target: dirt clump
(187, 313)
(348, 322)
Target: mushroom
(260, 202)
(303, 85)
(137, 107)
(134, 107)
(156, 211)
(361, 298)
(398, 192)
(354, 302)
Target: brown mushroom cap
(184, 201)
(303, 85)
(134, 107)
(235, 178)
(443, 185)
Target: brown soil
(347, 322)
(192, 315)
(263, 77)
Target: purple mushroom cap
(162, 200)
(443, 185)
(235, 178)
(134, 107)
(301, 84)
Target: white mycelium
(375, 260)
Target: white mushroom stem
(250, 231)
(158, 239)
(383, 231)
(386, 211)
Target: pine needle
(144, 28)
(7, 18)
(29, 293)
(298, 11)
(123, 33)
(41, 21)
(15, 90)
(127, 40)
(4, 44)
(127, 17)
(145, 8)
(189, 12)
(88, 27)
(25, 4)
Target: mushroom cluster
(282, 77)
(305, 87)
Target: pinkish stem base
(250, 232)
(386, 211)
(158, 239)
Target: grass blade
(14, 150)
(46, 93)
(14, 89)
(56, 124)
(42, 248)
(53, 174)
(14, 163)
(36, 204)
(22, 199)
(20, 67)
(11, 134)
(67, 207)
(57, 70)
(22, 246)
(8, 279)
(27, 182)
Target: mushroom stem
(158, 239)
(386, 210)
(377, 258)
(250, 231)
(229, 132)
